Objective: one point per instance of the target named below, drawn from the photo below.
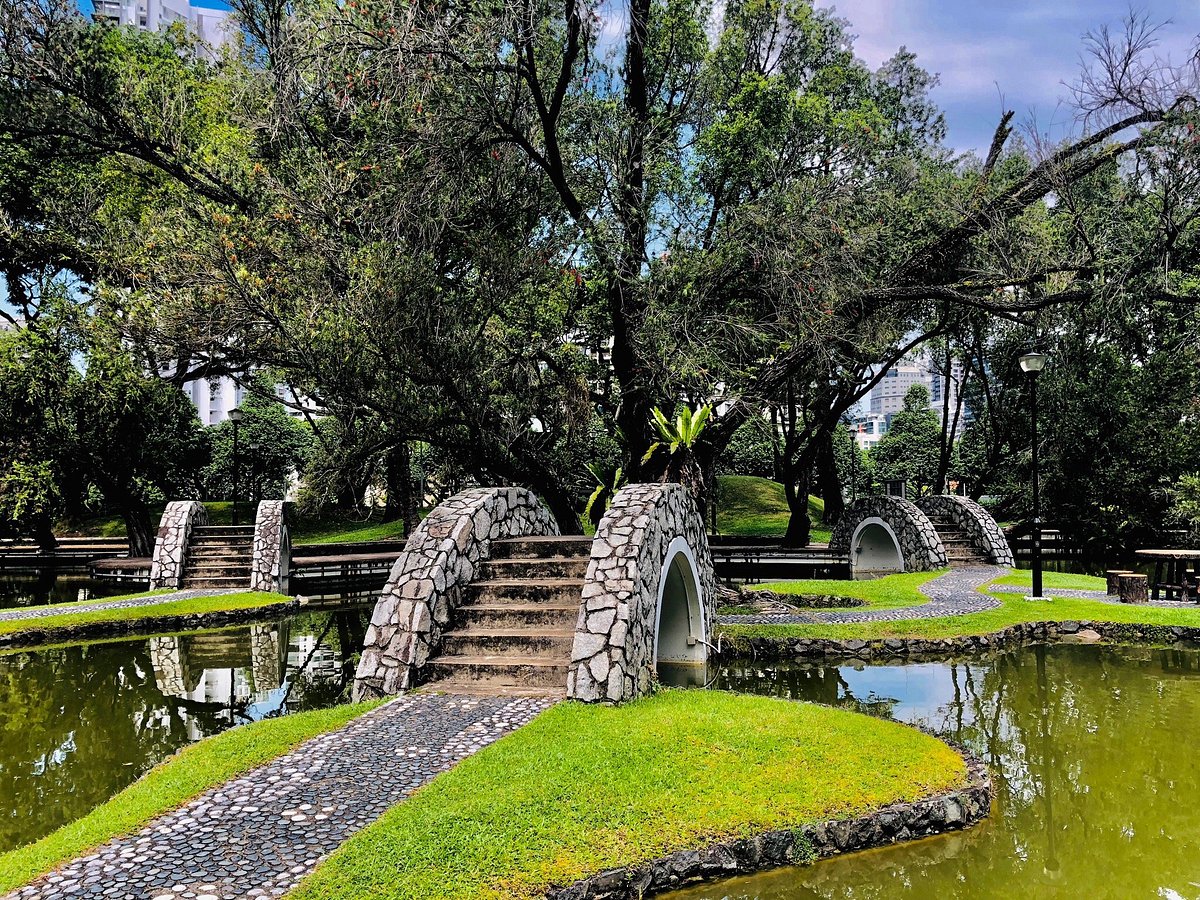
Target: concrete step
(238, 583)
(526, 590)
(531, 671)
(206, 541)
(491, 687)
(219, 559)
(216, 569)
(502, 616)
(551, 644)
(541, 547)
(552, 567)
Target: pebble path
(953, 594)
(260, 834)
(41, 612)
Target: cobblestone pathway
(259, 835)
(40, 612)
(952, 594)
(1102, 596)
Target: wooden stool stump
(1112, 576)
(1133, 588)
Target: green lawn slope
(757, 507)
(585, 788)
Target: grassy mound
(757, 507)
(1013, 609)
(170, 784)
(67, 615)
(586, 788)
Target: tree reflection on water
(1091, 752)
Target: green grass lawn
(328, 530)
(1013, 609)
(70, 617)
(170, 784)
(584, 788)
(879, 593)
(757, 507)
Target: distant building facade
(213, 26)
(887, 397)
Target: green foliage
(757, 507)
(1185, 503)
(271, 448)
(584, 788)
(608, 482)
(909, 450)
(680, 435)
(749, 451)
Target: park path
(260, 834)
(60, 609)
(954, 594)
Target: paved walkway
(1102, 596)
(259, 835)
(953, 594)
(59, 609)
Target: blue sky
(1002, 54)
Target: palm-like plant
(676, 446)
(608, 482)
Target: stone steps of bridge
(541, 547)
(550, 567)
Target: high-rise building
(211, 24)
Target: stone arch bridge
(488, 596)
(887, 534)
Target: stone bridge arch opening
(875, 549)
(680, 648)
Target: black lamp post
(235, 416)
(1032, 364)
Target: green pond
(1094, 756)
(80, 722)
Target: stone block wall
(425, 585)
(975, 521)
(612, 657)
(272, 550)
(171, 544)
(921, 548)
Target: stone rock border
(974, 521)
(426, 583)
(39, 635)
(801, 601)
(272, 549)
(613, 654)
(943, 813)
(921, 548)
(782, 649)
(171, 545)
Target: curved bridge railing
(648, 597)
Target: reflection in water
(48, 586)
(80, 722)
(1093, 758)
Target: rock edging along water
(893, 824)
(784, 648)
(37, 634)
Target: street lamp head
(235, 415)
(1033, 363)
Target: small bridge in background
(887, 534)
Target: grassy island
(585, 788)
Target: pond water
(52, 586)
(80, 722)
(1093, 755)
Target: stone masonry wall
(612, 658)
(170, 546)
(920, 547)
(271, 558)
(426, 582)
(975, 521)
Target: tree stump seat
(1113, 576)
(1133, 588)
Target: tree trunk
(830, 482)
(401, 490)
(138, 527)
(796, 486)
(43, 533)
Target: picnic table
(1182, 567)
